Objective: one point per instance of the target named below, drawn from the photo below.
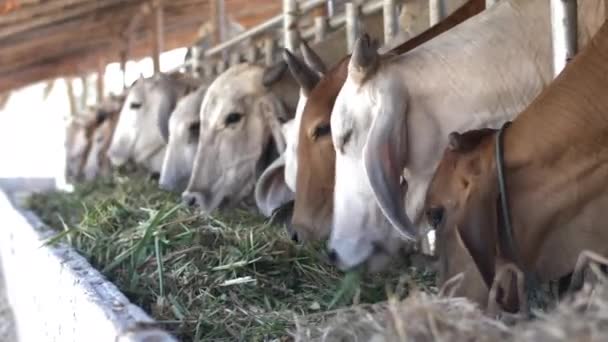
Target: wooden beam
(69, 82)
(78, 62)
(101, 72)
(123, 68)
(41, 9)
(57, 17)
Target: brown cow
(312, 215)
(554, 162)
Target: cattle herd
(387, 146)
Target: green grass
(229, 276)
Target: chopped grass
(229, 276)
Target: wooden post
(85, 91)
(195, 61)
(71, 97)
(221, 66)
(251, 55)
(235, 58)
(101, 72)
(123, 68)
(436, 11)
(158, 35)
(390, 20)
(290, 24)
(321, 28)
(4, 99)
(208, 70)
(269, 51)
(563, 32)
(352, 25)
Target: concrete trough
(56, 295)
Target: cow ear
(303, 74)
(312, 59)
(364, 60)
(271, 191)
(384, 156)
(273, 74)
(478, 228)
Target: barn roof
(43, 39)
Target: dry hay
(427, 317)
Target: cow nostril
(189, 200)
(333, 256)
(294, 237)
(435, 216)
(155, 176)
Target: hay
(426, 317)
(229, 276)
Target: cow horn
(312, 59)
(273, 73)
(306, 77)
(364, 59)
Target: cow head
(307, 73)
(461, 206)
(239, 118)
(76, 145)
(137, 134)
(368, 125)
(315, 179)
(106, 119)
(183, 134)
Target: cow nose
(190, 199)
(333, 257)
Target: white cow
(107, 117)
(137, 137)
(182, 142)
(393, 115)
(240, 118)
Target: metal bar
(101, 71)
(563, 32)
(352, 25)
(269, 47)
(321, 28)
(273, 22)
(290, 24)
(158, 36)
(390, 20)
(436, 11)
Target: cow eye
(135, 105)
(233, 118)
(321, 130)
(194, 129)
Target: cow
(312, 145)
(241, 120)
(534, 192)
(391, 118)
(182, 141)
(137, 136)
(78, 128)
(97, 162)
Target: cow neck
(506, 239)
